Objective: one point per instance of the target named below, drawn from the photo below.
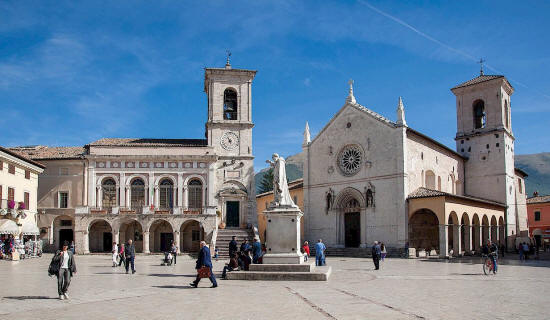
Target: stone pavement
(402, 289)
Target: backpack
(53, 269)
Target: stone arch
(424, 230)
(194, 176)
(230, 104)
(165, 176)
(430, 179)
(501, 228)
(485, 230)
(465, 233)
(348, 194)
(161, 235)
(102, 178)
(100, 235)
(453, 233)
(131, 229)
(494, 230)
(132, 177)
(191, 233)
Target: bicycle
(488, 266)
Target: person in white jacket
(115, 254)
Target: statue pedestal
(283, 235)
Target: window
(63, 171)
(27, 174)
(66, 223)
(520, 185)
(537, 215)
(1, 165)
(11, 194)
(63, 199)
(26, 200)
(166, 194)
(11, 168)
(230, 107)
(137, 197)
(195, 235)
(109, 193)
(480, 117)
(195, 194)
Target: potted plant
(22, 205)
(11, 204)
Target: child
(216, 254)
(305, 249)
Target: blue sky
(71, 73)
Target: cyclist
(491, 250)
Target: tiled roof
(429, 193)
(49, 153)
(540, 199)
(479, 79)
(21, 157)
(374, 114)
(140, 142)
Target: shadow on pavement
(504, 262)
(173, 287)
(29, 298)
(171, 275)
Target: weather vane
(481, 66)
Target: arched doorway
(466, 233)
(352, 223)
(100, 236)
(424, 230)
(494, 230)
(132, 230)
(161, 236)
(191, 234)
(454, 241)
(501, 231)
(484, 230)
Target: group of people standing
(125, 253)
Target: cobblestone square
(402, 289)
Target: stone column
(185, 198)
(151, 184)
(127, 192)
(86, 242)
(180, 189)
(211, 184)
(177, 239)
(467, 238)
(146, 242)
(116, 236)
(156, 201)
(99, 197)
(457, 240)
(478, 238)
(91, 186)
(443, 240)
(122, 188)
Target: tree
(266, 184)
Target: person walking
(256, 250)
(174, 251)
(204, 260)
(72, 246)
(305, 248)
(114, 254)
(130, 254)
(375, 251)
(383, 251)
(320, 253)
(121, 256)
(66, 268)
(232, 246)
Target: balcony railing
(139, 210)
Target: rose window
(350, 160)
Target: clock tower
(229, 133)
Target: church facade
(368, 178)
(155, 191)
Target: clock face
(229, 141)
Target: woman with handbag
(204, 267)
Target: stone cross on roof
(227, 64)
(350, 98)
(481, 66)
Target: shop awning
(8, 227)
(30, 229)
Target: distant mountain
(537, 166)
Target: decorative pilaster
(185, 198)
(180, 190)
(177, 240)
(122, 187)
(443, 240)
(457, 240)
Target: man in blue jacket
(204, 261)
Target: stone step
(320, 274)
(304, 267)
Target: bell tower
(484, 136)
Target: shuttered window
(27, 174)
(26, 197)
(11, 168)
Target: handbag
(204, 272)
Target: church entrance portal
(352, 221)
(232, 214)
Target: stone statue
(281, 195)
